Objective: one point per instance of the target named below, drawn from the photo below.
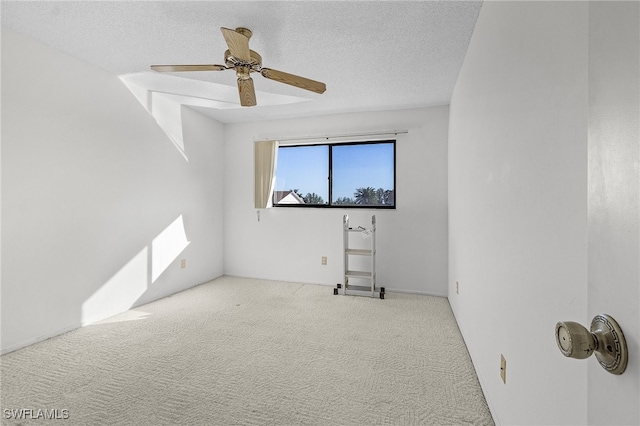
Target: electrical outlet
(324, 260)
(457, 288)
(183, 263)
(503, 369)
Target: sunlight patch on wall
(127, 285)
(167, 246)
(120, 291)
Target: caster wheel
(381, 295)
(338, 285)
(335, 291)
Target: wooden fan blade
(238, 44)
(247, 92)
(294, 80)
(178, 68)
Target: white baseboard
(387, 288)
(421, 293)
(33, 341)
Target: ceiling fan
(245, 61)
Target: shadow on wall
(126, 286)
(167, 113)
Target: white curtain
(265, 158)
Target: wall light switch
(503, 369)
(324, 260)
(183, 263)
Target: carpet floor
(251, 352)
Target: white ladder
(363, 275)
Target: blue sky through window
(304, 168)
(361, 166)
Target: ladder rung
(360, 252)
(365, 274)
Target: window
(336, 175)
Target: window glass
(363, 174)
(302, 175)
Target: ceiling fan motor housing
(255, 64)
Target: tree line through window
(356, 174)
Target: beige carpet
(251, 352)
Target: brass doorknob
(605, 339)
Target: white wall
(545, 204)
(287, 244)
(98, 204)
(518, 206)
(614, 200)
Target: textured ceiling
(372, 55)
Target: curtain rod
(334, 136)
